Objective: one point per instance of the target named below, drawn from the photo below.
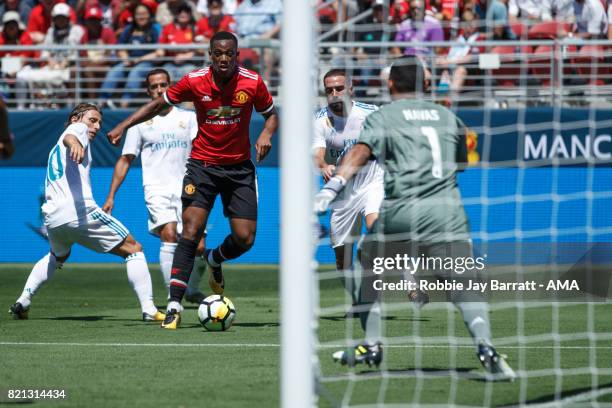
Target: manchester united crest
(241, 97)
(190, 189)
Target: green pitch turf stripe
(327, 346)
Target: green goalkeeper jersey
(419, 144)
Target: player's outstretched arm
(356, 158)
(148, 111)
(264, 142)
(77, 151)
(121, 170)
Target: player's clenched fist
(114, 136)
(328, 193)
(76, 149)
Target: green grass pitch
(84, 336)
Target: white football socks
(140, 279)
(166, 254)
(42, 272)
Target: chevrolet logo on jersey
(224, 112)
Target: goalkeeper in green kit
(421, 146)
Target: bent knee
(245, 240)
(131, 246)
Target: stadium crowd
(108, 75)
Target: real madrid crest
(190, 189)
(149, 122)
(182, 124)
(241, 97)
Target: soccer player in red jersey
(224, 96)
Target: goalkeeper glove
(328, 193)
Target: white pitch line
(272, 345)
(238, 345)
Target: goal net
(537, 194)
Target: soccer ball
(216, 313)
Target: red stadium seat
(519, 29)
(544, 64)
(511, 58)
(548, 30)
(591, 65)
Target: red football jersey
(223, 114)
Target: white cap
(60, 9)
(12, 16)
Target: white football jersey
(164, 143)
(337, 135)
(68, 195)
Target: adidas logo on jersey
(206, 98)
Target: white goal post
(297, 282)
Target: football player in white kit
(72, 216)
(337, 128)
(164, 144)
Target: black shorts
(237, 184)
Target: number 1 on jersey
(434, 142)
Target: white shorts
(345, 221)
(163, 207)
(97, 231)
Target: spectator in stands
(23, 8)
(52, 79)
(134, 62)
(332, 14)
(40, 19)
(13, 33)
(95, 63)
(591, 19)
(560, 10)
(229, 7)
(168, 10)
(336, 9)
(214, 21)
(399, 11)
(260, 19)
(497, 24)
(370, 59)
(419, 28)
(108, 8)
(181, 31)
(525, 10)
(124, 14)
(461, 60)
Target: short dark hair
(184, 7)
(223, 35)
(155, 72)
(338, 72)
(80, 110)
(408, 75)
